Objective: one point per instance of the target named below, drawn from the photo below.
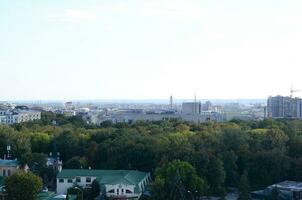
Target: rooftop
(107, 177)
(8, 163)
(294, 185)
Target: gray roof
(290, 185)
(8, 163)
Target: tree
(22, 185)
(95, 189)
(230, 166)
(76, 190)
(177, 180)
(216, 176)
(40, 142)
(76, 163)
(244, 187)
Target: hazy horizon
(149, 49)
(138, 101)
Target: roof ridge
(126, 178)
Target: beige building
(8, 167)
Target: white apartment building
(14, 116)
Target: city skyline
(76, 50)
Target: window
(4, 172)
(8, 172)
(128, 191)
(61, 180)
(78, 179)
(122, 190)
(111, 191)
(88, 180)
(69, 181)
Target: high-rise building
(284, 107)
(171, 102)
(191, 108)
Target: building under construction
(284, 107)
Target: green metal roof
(46, 196)
(72, 197)
(107, 177)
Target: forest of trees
(207, 158)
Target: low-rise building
(8, 167)
(117, 184)
(286, 190)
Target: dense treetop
(267, 151)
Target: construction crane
(292, 91)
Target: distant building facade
(191, 108)
(13, 116)
(8, 167)
(284, 107)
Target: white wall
(122, 190)
(62, 187)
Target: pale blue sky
(138, 49)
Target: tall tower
(171, 102)
(195, 101)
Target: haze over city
(129, 49)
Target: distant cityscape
(127, 111)
(96, 112)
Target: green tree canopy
(177, 180)
(22, 185)
(244, 187)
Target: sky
(149, 49)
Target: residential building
(284, 107)
(13, 116)
(191, 108)
(8, 167)
(117, 184)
